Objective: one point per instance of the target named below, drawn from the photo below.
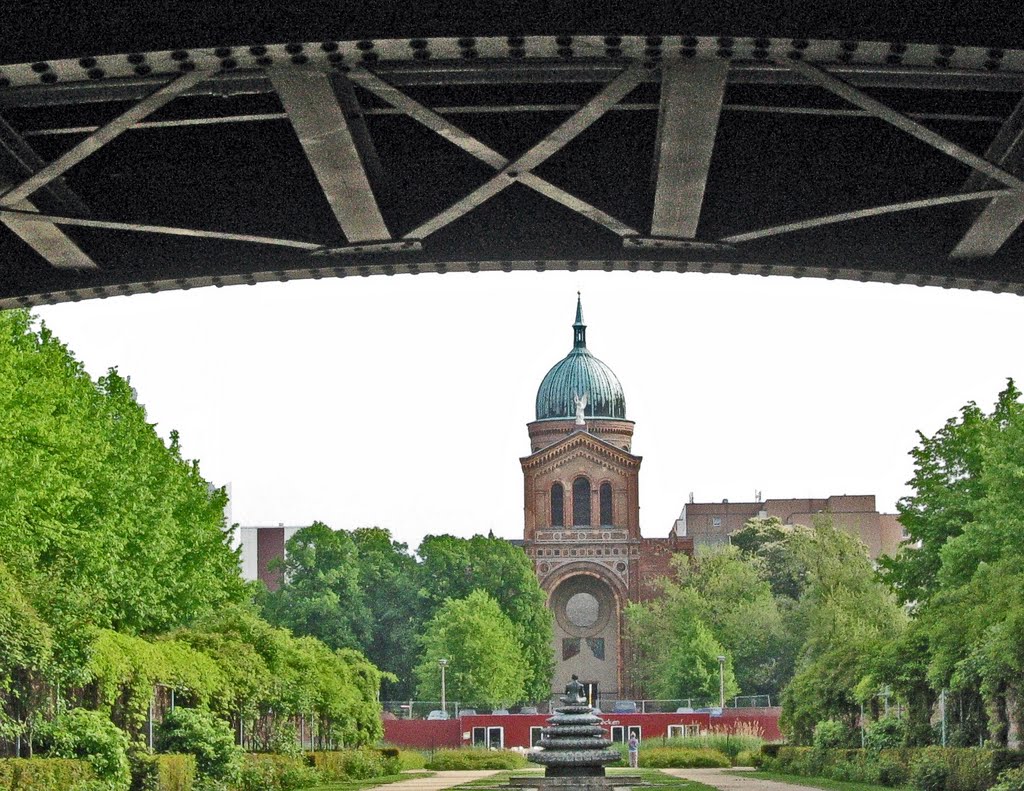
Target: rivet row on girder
(609, 265)
(651, 49)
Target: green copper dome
(578, 374)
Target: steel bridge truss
(873, 161)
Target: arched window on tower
(557, 505)
(606, 504)
(581, 501)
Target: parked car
(624, 707)
(528, 710)
(467, 712)
(437, 714)
(684, 710)
(499, 711)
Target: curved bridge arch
(864, 160)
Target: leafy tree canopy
(102, 522)
(321, 595)
(486, 663)
(454, 567)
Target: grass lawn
(651, 777)
(812, 782)
(357, 785)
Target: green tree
(966, 517)
(388, 574)
(739, 608)
(102, 522)
(847, 616)
(948, 488)
(26, 650)
(486, 663)
(321, 594)
(455, 567)
(767, 542)
(675, 651)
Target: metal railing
(431, 709)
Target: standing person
(634, 750)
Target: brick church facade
(582, 519)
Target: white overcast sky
(403, 402)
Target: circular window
(620, 566)
(582, 610)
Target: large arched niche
(587, 611)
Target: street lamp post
(721, 683)
(443, 663)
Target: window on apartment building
(716, 521)
(581, 501)
(557, 505)
(606, 504)
(682, 731)
(536, 732)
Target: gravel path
(724, 781)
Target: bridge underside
(865, 160)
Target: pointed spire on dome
(579, 329)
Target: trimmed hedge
(162, 772)
(275, 772)
(682, 758)
(926, 768)
(475, 758)
(674, 757)
(357, 764)
(43, 774)
(411, 759)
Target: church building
(582, 513)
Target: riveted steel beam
(691, 101)
(862, 214)
(565, 133)
(312, 107)
(18, 161)
(458, 137)
(20, 216)
(900, 121)
(100, 138)
(998, 221)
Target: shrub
(91, 735)
(682, 758)
(356, 764)
(162, 772)
(831, 733)
(1011, 780)
(475, 758)
(199, 733)
(886, 733)
(748, 758)
(928, 775)
(970, 769)
(743, 736)
(272, 772)
(44, 774)
(799, 760)
(856, 768)
(771, 750)
(892, 773)
(411, 759)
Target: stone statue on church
(580, 401)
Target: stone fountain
(575, 751)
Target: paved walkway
(720, 779)
(439, 781)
